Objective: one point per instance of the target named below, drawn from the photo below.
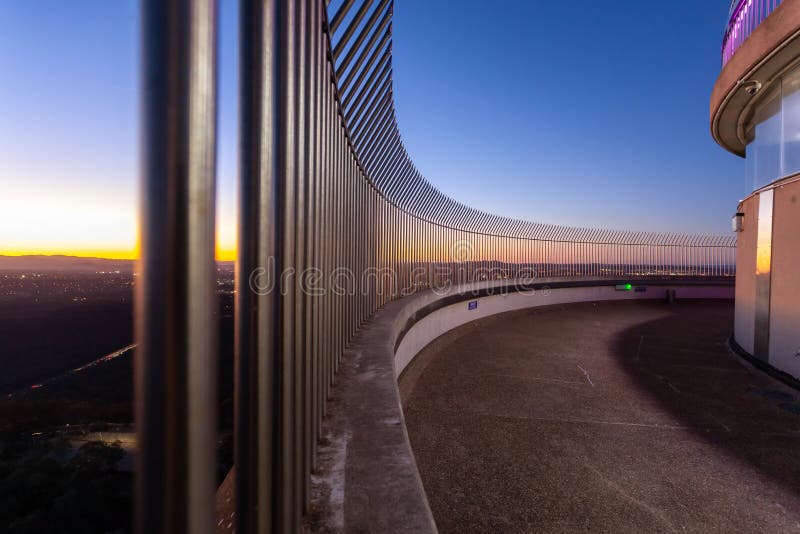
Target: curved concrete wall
(784, 328)
(445, 319)
(367, 479)
(783, 321)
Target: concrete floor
(611, 417)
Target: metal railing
(334, 222)
(744, 17)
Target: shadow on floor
(683, 362)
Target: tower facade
(755, 114)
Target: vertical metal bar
(298, 221)
(329, 174)
(324, 247)
(176, 333)
(305, 229)
(341, 171)
(316, 341)
(285, 519)
(255, 312)
(324, 197)
(327, 335)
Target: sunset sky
(576, 113)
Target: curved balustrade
(745, 17)
(368, 109)
(335, 221)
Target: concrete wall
(784, 333)
(784, 295)
(445, 319)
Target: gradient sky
(578, 113)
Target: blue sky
(580, 112)
(574, 112)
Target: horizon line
(220, 256)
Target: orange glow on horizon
(222, 254)
(59, 219)
(123, 254)
(225, 254)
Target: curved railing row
(744, 17)
(362, 54)
(334, 222)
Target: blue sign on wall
(473, 305)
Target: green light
(628, 287)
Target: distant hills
(71, 264)
(63, 264)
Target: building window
(773, 135)
(790, 86)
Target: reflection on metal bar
(176, 357)
(255, 312)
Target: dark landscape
(66, 422)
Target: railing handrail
(744, 16)
(470, 219)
